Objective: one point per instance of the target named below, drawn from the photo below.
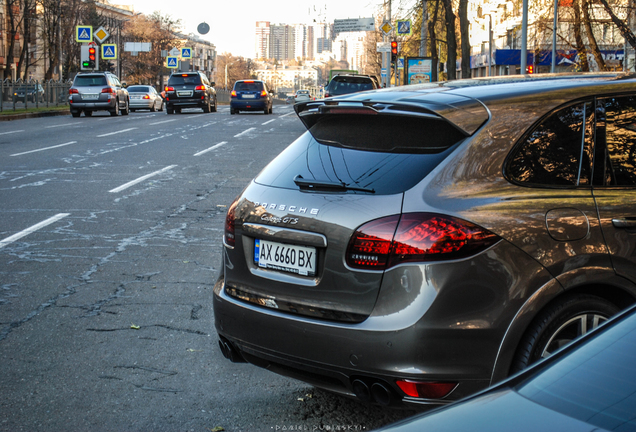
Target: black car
(251, 95)
(350, 83)
(588, 386)
(29, 93)
(420, 243)
(190, 90)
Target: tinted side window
(558, 151)
(617, 124)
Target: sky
(232, 22)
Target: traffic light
(92, 54)
(111, 66)
(394, 50)
(530, 69)
(88, 57)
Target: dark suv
(98, 91)
(349, 83)
(251, 95)
(190, 90)
(421, 243)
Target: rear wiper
(326, 185)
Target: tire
(126, 109)
(559, 324)
(161, 106)
(76, 113)
(206, 108)
(233, 111)
(115, 111)
(169, 111)
(153, 108)
(132, 110)
(177, 110)
(214, 107)
(88, 113)
(266, 110)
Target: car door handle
(628, 222)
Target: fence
(18, 95)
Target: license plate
(135, 97)
(249, 96)
(90, 96)
(284, 257)
(184, 93)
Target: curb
(9, 117)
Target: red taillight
(71, 91)
(418, 237)
(200, 87)
(233, 93)
(426, 390)
(108, 90)
(230, 237)
(146, 97)
(326, 94)
(263, 93)
(169, 89)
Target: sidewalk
(20, 116)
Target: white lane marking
(32, 229)
(289, 113)
(60, 125)
(162, 122)
(140, 179)
(211, 148)
(114, 133)
(10, 132)
(45, 148)
(244, 132)
(267, 122)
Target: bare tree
(451, 41)
(464, 27)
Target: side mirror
(124, 84)
(213, 84)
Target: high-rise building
(281, 42)
(262, 39)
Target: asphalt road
(110, 240)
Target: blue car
(250, 95)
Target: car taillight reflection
(230, 236)
(415, 237)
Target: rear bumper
(249, 105)
(141, 104)
(93, 106)
(447, 327)
(186, 103)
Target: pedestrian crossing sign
(83, 33)
(109, 51)
(186, 53)
(404, 27)
(172, 62)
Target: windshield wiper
(326, 185)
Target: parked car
(350, 83)
(251, 95)
(145, 97)
(29, 93)
(302, 96)
(421, 243)
(190, 90)
(589, 386)
(98, 91)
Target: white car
(302, 96)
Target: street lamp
(489, 43)
(226, 65)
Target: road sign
(386, 28)
(172, 62)
(383, 47)
(175, 52)
(109, 51)
(101, 35)
(400, 62)
(186, 53)
(404, 27)
(355, 24)
(83, 33)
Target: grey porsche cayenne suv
(420, 243)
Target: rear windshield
(386, 173)
(184, 79)
(90, 80)
(248, 86)
(139, 89)
(339, 86)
